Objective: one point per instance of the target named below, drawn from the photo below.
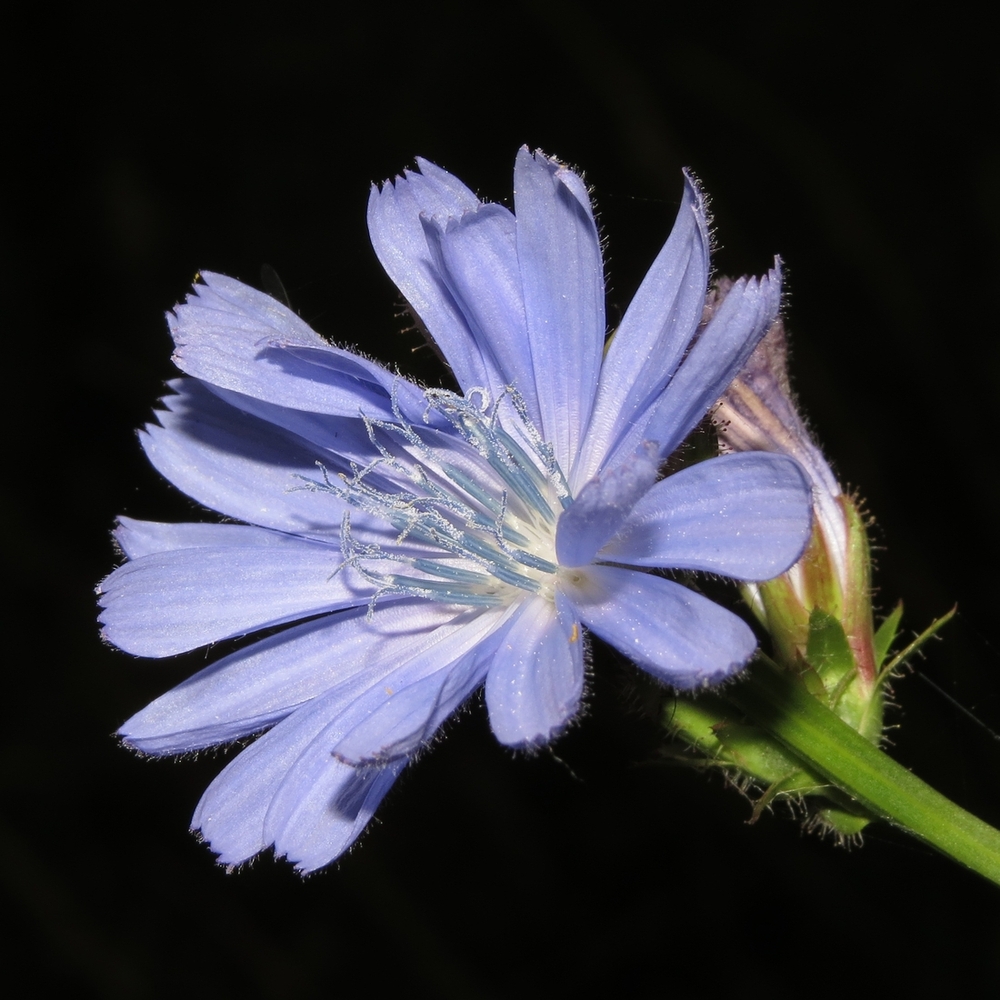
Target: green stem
(833, 749)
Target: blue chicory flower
(418, 544)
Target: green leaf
(900, 658)
(763, 757)
(723, 738)
(886, 634)
(843, 824)
(827, 649)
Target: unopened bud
(832, 580)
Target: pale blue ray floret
(401, 546)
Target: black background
(863, 150)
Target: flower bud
(818, 613)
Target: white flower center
(477, 519)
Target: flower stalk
(855, 767)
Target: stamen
(492, 551)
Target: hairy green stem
(832, 749)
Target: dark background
(863, 151)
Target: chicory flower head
(404, 546)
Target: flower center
(474, 505)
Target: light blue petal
(255, 687)
(746, 516)
(329, 438)
(713, 362)
(397, 235)
(562, 274)
(439, 192)
(331, 812)
(255, 471)
(535, 681)
(333, 807)
(341, 444)
(405, 718)
(143, 538)
(173, 601)
(477, 257)
(677, 635)
(289, 790)
(240, 466)
(336, 383)
(235, 337)
(400, 714)
(602, 506)
(654, 333)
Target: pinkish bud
(758, 413)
